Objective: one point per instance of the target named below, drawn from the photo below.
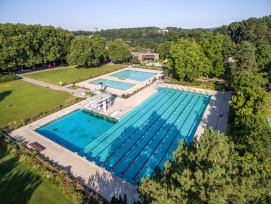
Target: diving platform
(101, 101)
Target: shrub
(6, 78)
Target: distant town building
(94, 29)
(146, 56)
(163, 30)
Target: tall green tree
(212, 46)
(85, 51)
(64, 39)
(187, 60)
(208, 172)
(263, 56)
(245, 56)
(163, 50)
(80, 53)
(119, 51)
(251, 135)
(99, 50)
(249, 96)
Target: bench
(37, 146)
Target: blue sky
(104, 14)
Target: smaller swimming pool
(134, 75)
(113, 84)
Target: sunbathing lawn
(19, 184)
(70, 75)
(27, 100)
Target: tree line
(35, 45)
(137, 38)
(92, 51)
(199, 52)
(32, 45)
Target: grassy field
(70, 75)
(21, 100)
(18, 184)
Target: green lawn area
(26, 100)
(70, 75)
(19, 184)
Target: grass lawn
(70, 75)
(19, 184)
(26, 100)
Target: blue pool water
(113, 84)
(134, 75)
(75, 130)
(141, 140)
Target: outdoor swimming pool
(75, 130)
(141, 140)
(113, 84)
(134, 75)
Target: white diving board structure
(101, 101)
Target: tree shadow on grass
(4, 94)
(17, 183)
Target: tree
(119, 51)
(210, 173)
(245, 56)
(99, 50)
(212, 46)
(64, 38)
(251, 136)
(249, 97)
(228, 47)
(187, 60)
(263, 56)
(80, 53)
(135, 60)
(163, 50)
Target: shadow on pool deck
(217, 114)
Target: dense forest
(235, 168)
(137, 38)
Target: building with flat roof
(146, 56)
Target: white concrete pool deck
(101, 181)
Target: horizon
(105, 14)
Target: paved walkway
(75, 92)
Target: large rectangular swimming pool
(140, 141)
(134, 75)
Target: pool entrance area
(143, 139)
